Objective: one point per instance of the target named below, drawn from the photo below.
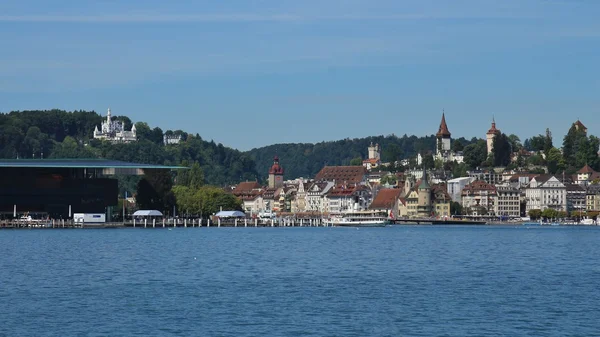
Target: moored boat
(358, 219)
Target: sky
(257, 72)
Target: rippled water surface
(393, 281)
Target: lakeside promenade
(245, 222)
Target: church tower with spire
(276, 174)
(443, 137)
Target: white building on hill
(113, 131)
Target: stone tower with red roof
(276, 174)
(489, 136)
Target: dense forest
(62, 134)
(305, 159)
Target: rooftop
(443, 131)
(347, 174)
(385, 198)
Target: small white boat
(587, 222)
(358, 219)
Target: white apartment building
(455, 187)
(315, 196)
(546, 191)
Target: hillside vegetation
(306, 159)
(62, 134)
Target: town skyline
(309, 72)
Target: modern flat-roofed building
(62, 187)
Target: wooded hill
(306, 159)
(62, 134)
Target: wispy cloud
(239, 17)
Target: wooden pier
(437, 222)
(164, 223)
(54, 223)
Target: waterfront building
(576, 198)
(58, 188)
(412, 203)
(441, 200)
(114, 131)
(422, 200)
(299, 203)
(270, 198)
(315, 195)
(424, 197)
(402, 208)
(489, 136)
(250, 192)
(509, 201)
(593, 197)
(347, 198)
(546, 191)
(480, 198)
(386, 201)
(276, 174)
(418, 199)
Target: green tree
(515, 143)
(536, 143)
(535, 214)
(547, 141)
(428, 162)
(550, 213)
(389, 179)
(356, 161)
(520, 162)
(555, 161)
(571, 144)
(143, 130)
(501, 150)
(456, 208)
(475, 154)
(193, 178)
(535, 160)
(457, 146)
(70, 148)
(459, 170)
(391, 153)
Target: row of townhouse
(335, 189)
(518, 194)
(419, 194)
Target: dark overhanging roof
(79, 163)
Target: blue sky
(253, 73)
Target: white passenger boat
(358, 219)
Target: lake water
(393, 281)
